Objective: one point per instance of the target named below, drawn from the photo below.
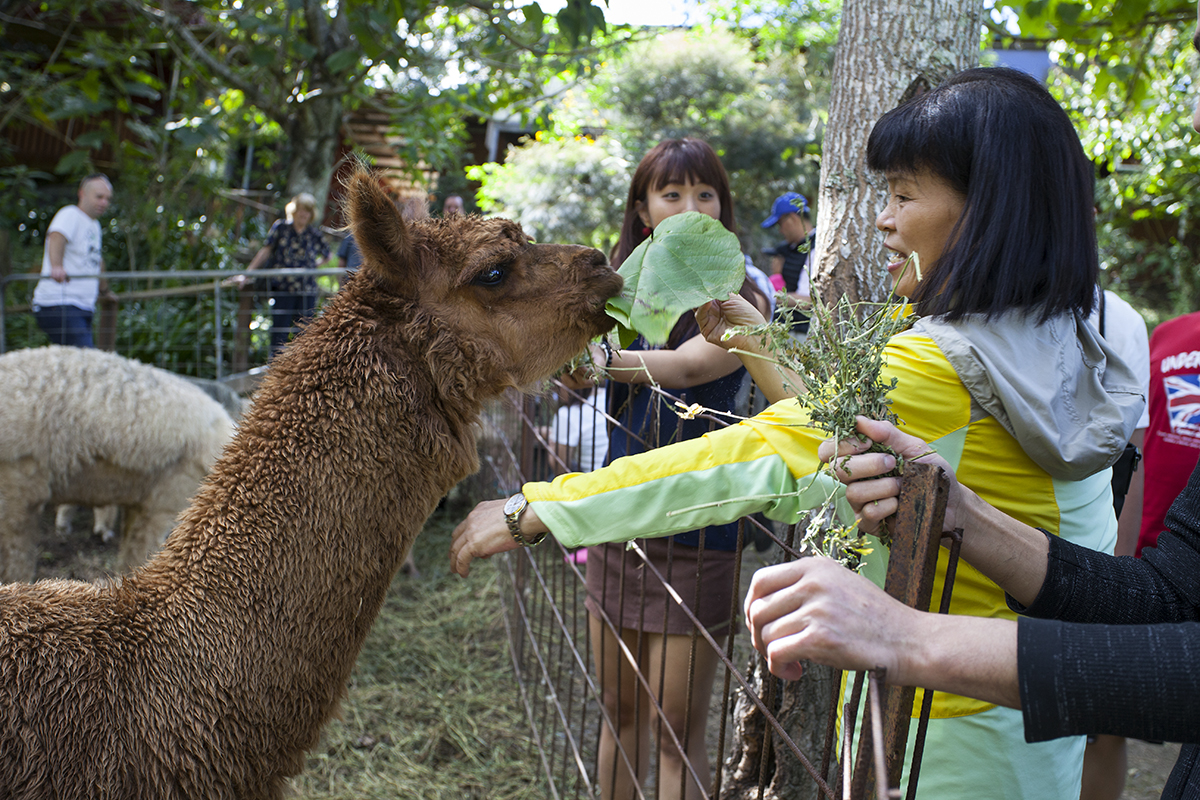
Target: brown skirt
(646, 601)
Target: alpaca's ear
(381, 235)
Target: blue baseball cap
(790, 203)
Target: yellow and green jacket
(1029, 416)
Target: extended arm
(711, 480)
(693, 363)
(240, 281)
(1011, 554)
(1067, 678)
(715, 318)
(816, 609)
(56, 248)
(1133, 677)
(1044, 575)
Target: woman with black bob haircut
(1026, 237)
(1000, 372)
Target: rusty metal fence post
(912, 565)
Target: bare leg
(633, 713)
(693, 721)
(1104, 766)
(628, 708)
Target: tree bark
(760, 757)
(314, 133)
(887, 52)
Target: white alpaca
(85, 427)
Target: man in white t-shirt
(65, 298)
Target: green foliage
(569, 190)
(157, 99)
(1125, 73)
(761, 116)
(689, 259)
(840, 367)
(761, 120)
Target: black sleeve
(1083, 585)
(1126, 680)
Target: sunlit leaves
(560, 190)
(1126, 75)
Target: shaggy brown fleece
(210, 671)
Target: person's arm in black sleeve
(1083, 585)
(1126, 680)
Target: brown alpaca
(210, 671)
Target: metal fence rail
(185, 321)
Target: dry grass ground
(431, 712)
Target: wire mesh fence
(758, 737)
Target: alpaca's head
(492, 309)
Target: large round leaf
(689, 259)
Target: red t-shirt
(1172, 442)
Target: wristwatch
(513, 508)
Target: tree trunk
(760, 757)
(887, 52)
(314, 133)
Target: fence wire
(187, 322)
(759, 745)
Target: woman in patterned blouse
(294, 243)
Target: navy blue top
(348, 250)
(636, 408)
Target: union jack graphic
(1183, 403)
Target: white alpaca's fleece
(86, 427)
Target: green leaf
(689, 259)
(90, 85)
(1068, 13)
(72, 162)
(534, 15)
(1129, 12)
(343, 60)
(139, 89)
(1035, 8)
(144, 131)
(91, 139)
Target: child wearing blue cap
(789, 258)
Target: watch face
(514, 504)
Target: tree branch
(174, 25)
(58, 48)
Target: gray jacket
(1058, 387)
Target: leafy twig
(840, 366)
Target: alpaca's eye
(492, 276)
